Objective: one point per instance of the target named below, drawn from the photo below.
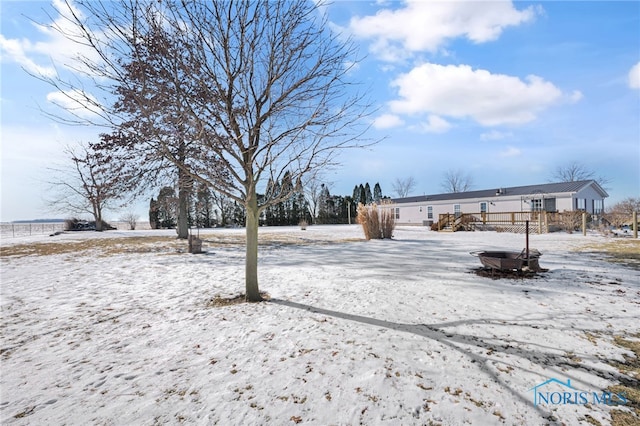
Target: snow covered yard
(117, 328)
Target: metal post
(635, 224)
(584, 223)
(526, 231)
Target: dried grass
(622, 251)
(152, 244)
(219, 301)
(101, 246)
(631, 387)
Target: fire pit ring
(509, 260)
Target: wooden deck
(540, 222)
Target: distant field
(10, 230)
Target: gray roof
(544, 188)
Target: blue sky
(504, 91)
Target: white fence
(10, 230)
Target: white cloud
(427, 25)
(510, 152)
(57, 45)
(78, 103)
(435, 124)
(576, 96)
(460, 91)
(495, 135)
(634, 76)
(387, 121)
(15, 50)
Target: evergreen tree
(363, 194)
(356, 195)
(167, 207)
(271, 212)
(377, 193)
(302, 209)
(323, 204)
(367, 194)
(204, 208)
(239, 214)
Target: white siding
(415, 213)
(589, 194)
(565, 204)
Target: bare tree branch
(233, 94)
(575, 171)
(456, 181)
(403, 187)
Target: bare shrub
(571, 221)
(131, 219)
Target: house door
(550, 204)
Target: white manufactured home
(585, 195)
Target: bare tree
(312, 188)
(575, 171)
(131, 219)
(456, 181)
(622, 212)
(88, 185)
(247, 90)
(403, 187)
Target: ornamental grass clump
(377, 222)
(387, 221)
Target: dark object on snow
(496, 274)
(509, 260)
(83, 225)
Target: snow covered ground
(116, 328)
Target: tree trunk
(97, 215)
(184, 189)
(183, 213)
(251, 259)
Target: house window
(456, 210)
(581, 204)
(397, 213)
(536, 205)
(598, 206)
(429, 212)
(483, 207)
